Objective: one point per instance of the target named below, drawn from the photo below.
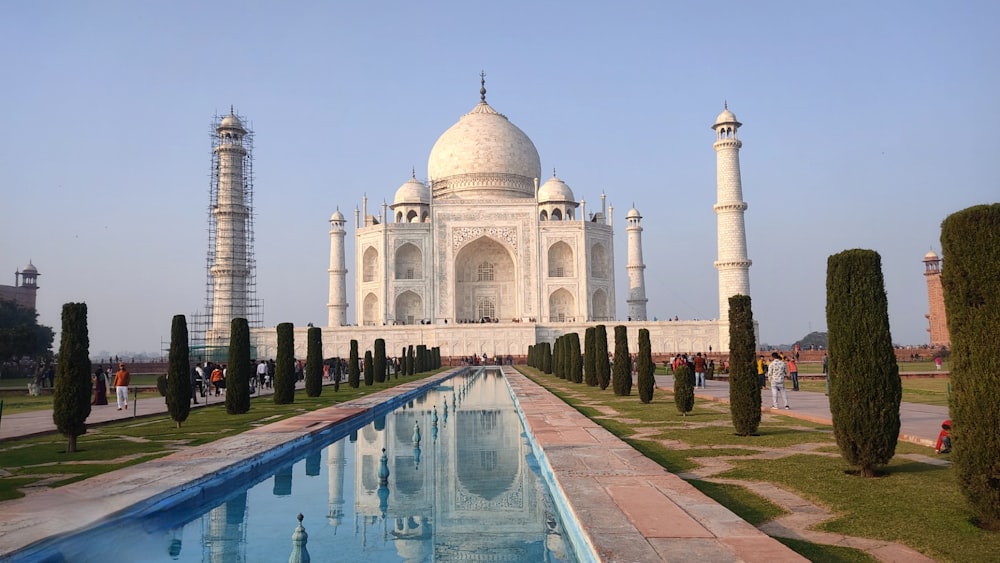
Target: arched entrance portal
(484, 282)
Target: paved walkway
(149, 402)
(919, 424)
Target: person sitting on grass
(944, 439)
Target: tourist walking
(826, 373)
(761, 378)
(122, 380)
(776, 372)
(793, 372)
(100, 388)
(699, 371)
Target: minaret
(937, 321)
(337, 306)
(230, 266)
(733, 264)
(636, 276)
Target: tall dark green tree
(546, 358)
(601, 356)
(684, 389)
(411, 361)
(865, 390)
(20, 333)
(284, 365)
(970, 242)
(71, 402)
(559, 357)
(621, 374)
(314, 361)
(589, 357)
(369, 368)
(179, 372)
(353, 369)
(379, 360)
(575, 359)
(421, 358)
(744, 388)
(645, 367)
(239, 369)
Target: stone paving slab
(631, 508)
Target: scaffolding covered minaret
(231, 288)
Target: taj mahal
(488, 257)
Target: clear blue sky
(865, 125)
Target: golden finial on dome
(482, 86)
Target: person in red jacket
(943, 445)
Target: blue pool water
(447, 476)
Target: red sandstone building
(937, 321)
(25, 287)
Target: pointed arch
(370, 265)
(562, 306)
(485, 272)
(561, 261)
(409, 262)
(409, 308)
(599, 310)
(599, 263)
(371, 309)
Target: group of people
(699, 364)
(102, 379)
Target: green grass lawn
(914, 503)
(111, 446)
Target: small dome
(29, 269)
(413, 192)
(633, 214)
(337, 216)
(231, 122)
(931, 255)
(554, 190)
(726, 117)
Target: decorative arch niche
(370, 265)
(409, 263)
(561, 261)
(484, 281)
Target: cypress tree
(645, 367)
(314, 361)
(529, 357)
(369, 368)
(421, 358)
(601, 356)
(864, 401)
(970, 242)
(575, 360)
(684, 389)
(411, 361)
(179, 372)
(589, 357)
(239, 369)
(546, 358)
(71, 399)
(353, 370)
(621, 376)
(379, 360)
(284, 365)
(559, 357)
(744, 389)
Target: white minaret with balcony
(337, 305)
(635, 267)
(230, 270)
(732, 263)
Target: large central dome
(483, 156)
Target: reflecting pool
(447, 476)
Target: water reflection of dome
(488, 459)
